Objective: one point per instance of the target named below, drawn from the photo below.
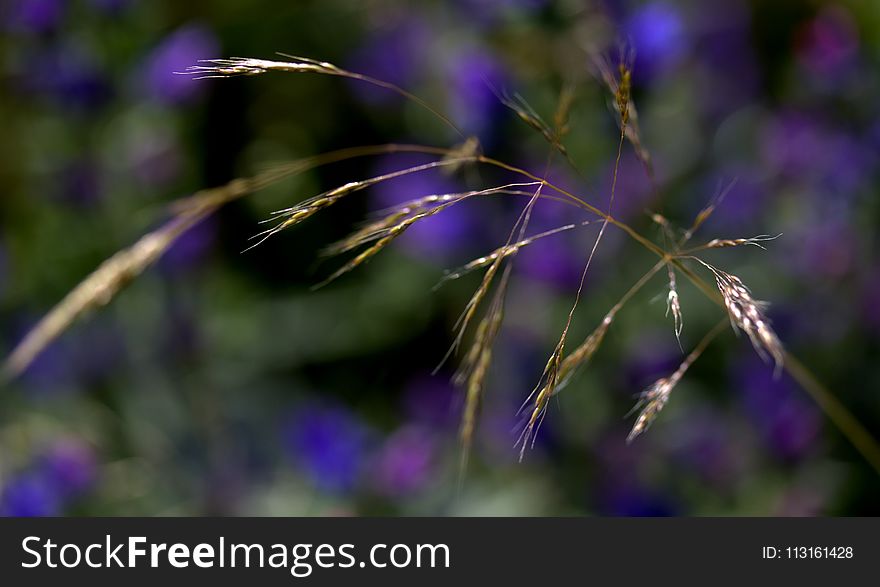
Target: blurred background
(218, 383)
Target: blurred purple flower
(705, 445)
(621, 489)
(68, 75)
(725, 57)
(622, 498)
(70, 466)
(825, 249)
(794, 319)
(793, 144)
(405, 462)
(473, 78)
(788, 424)
(650, 357)
(847, 165)
(52, 370)
(191, 249)
(800, 146)
(489, 12)
(330, 443)
(395, 54)
(431, 400)
(657, 32)
(633, 193)
(36, 16)
(746, 199)
(179, 50)
(548, 214)
(828, 43)
(29, 495)
(555, 261)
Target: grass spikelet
(707, 211)
(620, 87)
(651, 401)
(247, 66)
(390, 217)
(551, 375)
(754, 241)
(471, 308)
(748, 314)
(391, 227)
(475, 368)
(504, 251)
(465, 151)
(655, 396)
(534, 121)
(745, 312)
(673, 304)
(585, 351)
(556, 381)
(292, 216)
(385, 237)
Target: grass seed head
(747, 314)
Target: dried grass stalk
(97, 290)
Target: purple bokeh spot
(658, 33)
(474, 78)
(330, 443)
(71, 467)
(179, 50)
(431, 400)
(35, 16)
(651, 358)
(395, 54)
(633, 193)
(788, 424)
(553, 260)
(490, 12)
(405, 462)
(29, 495)
(828, 43)
(67, 75)
(191, 249)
